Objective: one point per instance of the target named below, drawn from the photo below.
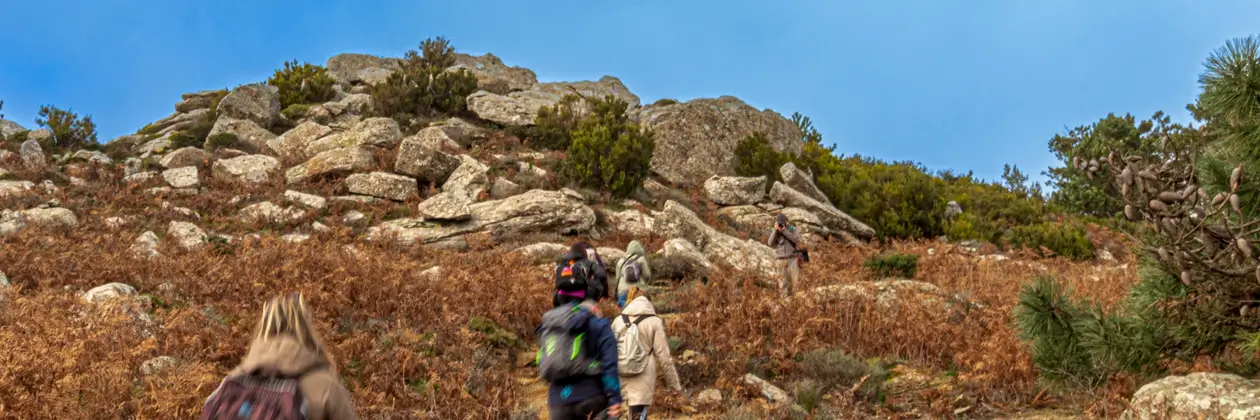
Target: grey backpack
(562, 350)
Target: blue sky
(967, 85)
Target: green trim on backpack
(577, 346)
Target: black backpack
(563, 348)
(574, 276)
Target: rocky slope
(342, 177)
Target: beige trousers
(789, 274)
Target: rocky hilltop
(159, 247)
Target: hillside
(417, 203)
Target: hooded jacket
(636, 252)
(595, 289)
(603, 348)
(785, 242)
(639, 389)
(326, 398)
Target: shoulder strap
(641, 318)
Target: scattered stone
(772, 393)
(632, 221)
(533, 211)
(50, 217)
(1199, 395)
(433, 273)
(331, 162)
(182, 177)
(185, 156)
(503, 188)
(157, 365)
(445, 206)
(107, 292)
(248, 169)
(295, 237)
(139, 177)
(145, 246)
(952, 209)
(115, 222)
(543, 251)
(733, 190)
(354, 217)
(32, 155)
(292, 144)
(437, 138)
(14, 188)
(320, 227)
(187, 235)
(469, 179)
(383, 185)
(268, 212)
(709, 397)
(92, 156)
(250, 137)
(682, 250)
(423, 162)
(378, 132)
(309, 200)
(356, 199)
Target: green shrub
(755, 157)
(608, 151)
(552, 125)
(195, 136)
(807, 394)
(495, 335)
(302, 84)
(892, 265)
(1064, 239)
(664, 101)
(424, 87)
(296, 111)
(221, 141)
(69, 131)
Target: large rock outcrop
(826, 213)
(353, 69)
(248, 169)
(258, 102)
(292, 144)
(426, 163)
(745, 255)
(250, 137)
(697, 139)
(383, 185)
(493, 75)
(519, 108)
(1196, 396)
(734, 190)
(378, 132)
(332, 162)
(534, 211)
(799, 180)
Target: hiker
(632, 271)
(287, 374)
(578, 276)
(787, 252)
(643, 347)
(577, 356)
(601, 270)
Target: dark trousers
(583, 410)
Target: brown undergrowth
(413, 346)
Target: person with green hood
(632, 271)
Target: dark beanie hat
(781, 219)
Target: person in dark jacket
(596, 284)
(584, 397)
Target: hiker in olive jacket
(286, 341)
(639, 389)
(787, 248)
(635, 254)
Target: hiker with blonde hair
(642, 349)
(287, 374)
